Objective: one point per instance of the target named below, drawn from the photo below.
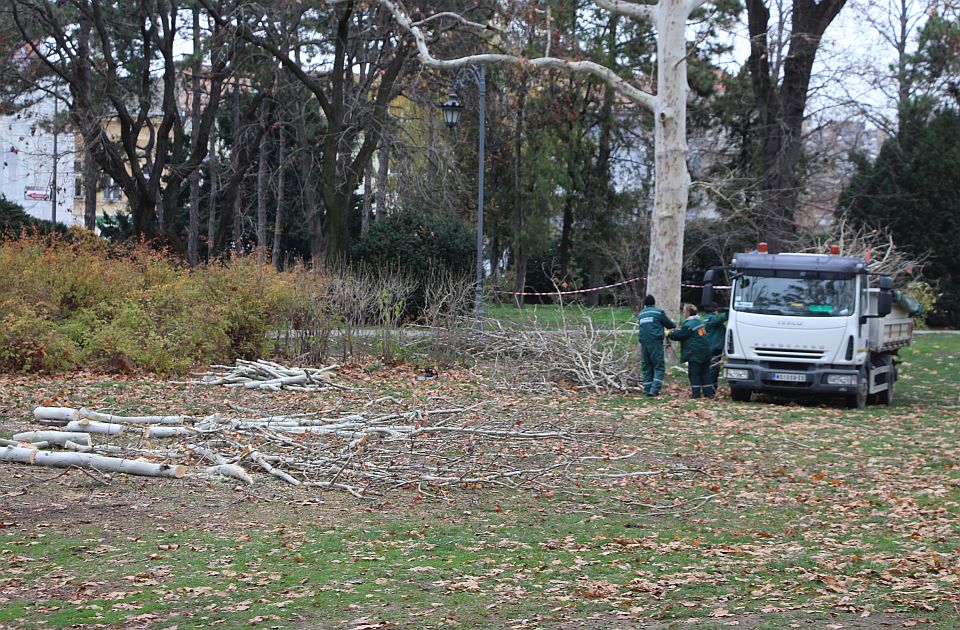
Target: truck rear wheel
(740, 394)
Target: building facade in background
(34, 137)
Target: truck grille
(789, 353)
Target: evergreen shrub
(418, 245)
(14, 220)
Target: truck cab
(811, 324)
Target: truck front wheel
(886, 396)
(740, 394)
(859, 399)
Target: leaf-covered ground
(808, 516)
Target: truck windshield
(806, 297)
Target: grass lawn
(603, 317)
(800, 515)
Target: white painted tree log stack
(270, 376)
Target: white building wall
(26, 170)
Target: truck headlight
(841, 379)
(738, 375)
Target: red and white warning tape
(574, 292)
(606, 286)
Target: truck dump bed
(889, 333)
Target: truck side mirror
(886, 283)
(884, 302)
(708, 278)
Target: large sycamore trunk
(665, 263)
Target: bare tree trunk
(311, 200)
(566, 236)
(90, 171)
(238, 197)
(519, 246)
(281, 191)
(263, 182)
(91, 127)
(494, 257)
(383, 174)
(595, 276)
(670, 157)
(193, 229)
(246, 140)
(367, 198)
(781, 109)
(212, 202)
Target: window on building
(112, 191)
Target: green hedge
(418, 245)
(69, 304)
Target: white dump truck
(811, 324)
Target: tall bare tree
(780, 90)
(351, 35)
(108, 54)
(668, 105)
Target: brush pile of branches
(581, 357)
(873, 243)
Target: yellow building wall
(106, 204)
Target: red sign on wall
(36, 193)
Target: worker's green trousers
(651, 356)
(701, 382)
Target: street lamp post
(452, 110)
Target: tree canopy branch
(607, 75)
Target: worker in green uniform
(716, 324)
(695, 350)
(651, 322)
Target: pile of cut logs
(383, 446)
(363, 453)
(270, 376)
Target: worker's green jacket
(651, 321)
(694, 343)
(716, 324)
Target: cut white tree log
(56, 414)
(110, 449)
(53, 437)
(233, 471)
(105, 417)
(167, 432)
(4, 442)
(93, 426)
(286, 380)
(86, 460)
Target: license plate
(792, 378)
